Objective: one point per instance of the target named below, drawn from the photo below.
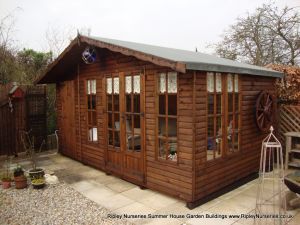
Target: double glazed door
(125, 125)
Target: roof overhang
(72, 54)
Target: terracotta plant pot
(20, 182)
(6, 184)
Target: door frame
(120, 169)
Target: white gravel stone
(54, 204)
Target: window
(91, 111)
(223, 131)
(233, 113)
(167, 116)
(113, 111)
(215, 117)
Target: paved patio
(121, 197)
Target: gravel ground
(55, 204)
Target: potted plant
(38, 183)
(20, 178)
(28, 143)
(6, 177)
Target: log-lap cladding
(175, 121)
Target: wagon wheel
(264, 110)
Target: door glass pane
(136, 84)
(128, 103)
(136, 103)
(109, 102)
(116, 103)
(172, 104)
(110, 137)
(117, 121)
(128, 84)
(172, 82)
(219, 103)
(117, 139)
(210, 127)
(109, 85)
(116, 85)
(162, 104)
(89, 102)
(236, 102)
(218, 82)
(230, 102)
(210, 104)
(210, 82)
(229, 83)
(219, 126)
(162, 83)
(229, 133)
(137, 133)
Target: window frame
(165, 116)
(91, 111)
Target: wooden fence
(289, 120)
(27, 113)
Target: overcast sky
(183, 24)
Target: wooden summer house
(179, 122)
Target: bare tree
(269, 35)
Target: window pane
(91, 134)
(128, 103)
(128, 88)
(109, 85)
(110, 137)
(137, 124)
(88, 87)
(172, 128)
(172, 82)
(236, 83)
(162, 104)
(93, 98)
(136, 84)
(161, 126)
(210, 127)
(95, 134)
(93, 86)
(210, 104)
(109, 120)
(89, 102)
(229, 128)
(229, 83)
(136, 103)
(109, 102)
(210, 82)
(172, 104)
(236, 142)
(162, 83)
(162, 147)
(116, 85)
(172, 144)
(116, 103)
(230, 102)
(94, 118)
(218, 82)
(219, 103)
